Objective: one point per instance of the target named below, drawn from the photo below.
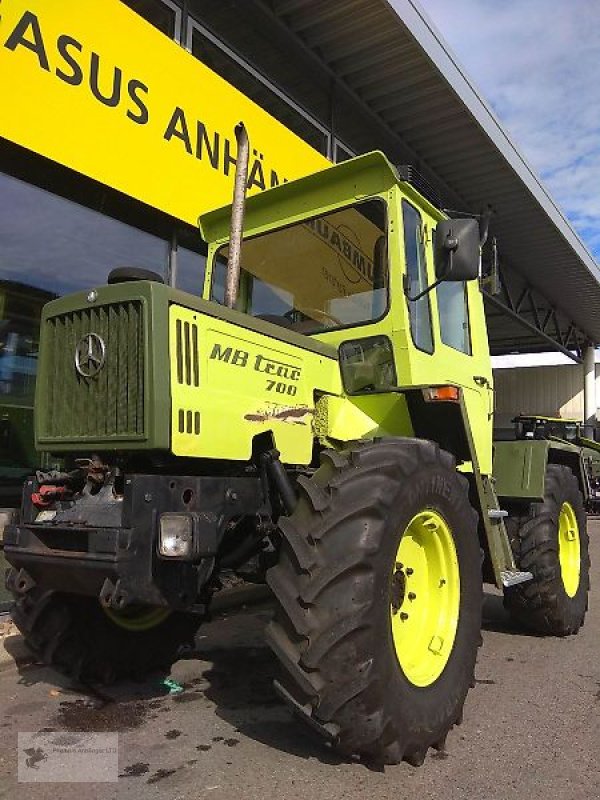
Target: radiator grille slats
(110, 404)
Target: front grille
(109, 405)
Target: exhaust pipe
(232, 280)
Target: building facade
(553, 391)
(118, 132)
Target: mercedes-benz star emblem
(90, 355)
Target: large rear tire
(550, 540)
(78, 637)
(379, 595)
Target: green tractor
(573, 432)
(326, 408)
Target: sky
(536, 64)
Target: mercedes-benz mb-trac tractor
(575, 432)
(325, 409)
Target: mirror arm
(491, 281)
(484, 225)
(427, 289)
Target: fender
(442, 421)
(520, 467)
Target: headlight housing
(176, 536)
(367, 365)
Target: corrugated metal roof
(397, 63)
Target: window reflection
(20, 307)
(191, 261)
(49, 246)
(341, 153)
(61, 247)
(190, 271)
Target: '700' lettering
(269, 366)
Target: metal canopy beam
(372, 81)
(528, 307)
(256, 9)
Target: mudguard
(519, 467)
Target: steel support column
(589, 388)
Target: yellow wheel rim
(137, 619)
(425, 598)
(569, 549)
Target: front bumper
(109, 549)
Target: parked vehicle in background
(531, 426)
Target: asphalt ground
(531, 727)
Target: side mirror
(457, 250)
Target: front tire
(550, 540)
(344, 596)
(77, 636)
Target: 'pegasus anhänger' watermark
(68, 757)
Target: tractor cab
(357, 258)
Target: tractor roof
(313, 194)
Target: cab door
(446, 336)
(464, 352)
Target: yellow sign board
(96, 88)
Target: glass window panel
(454, 315)
(190, 271)
(50, 247)
(414, 250)
(341, 153)
(368, 365)
(319, 274)
(59, 246)
(191, 262)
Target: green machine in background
(20, 312)
(571, 431)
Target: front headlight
(176, 536)
(8, 516)
(367, 365)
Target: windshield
(323, 273)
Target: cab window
(318, 274)
(414, 251)
(454, 315)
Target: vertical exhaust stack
(232, 280)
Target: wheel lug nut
(409, 570)
(399, 565)
(412, 596)
(403, 615)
